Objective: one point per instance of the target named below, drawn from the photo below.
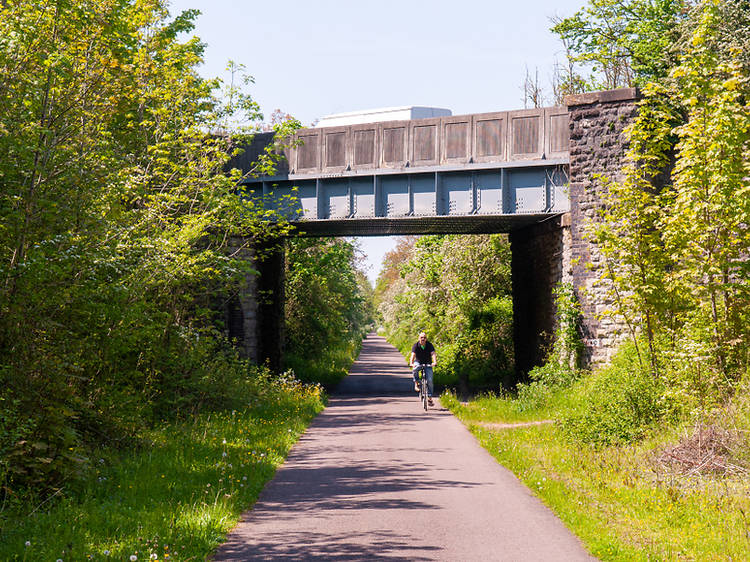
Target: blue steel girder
(515, 188)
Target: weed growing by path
(506, 408)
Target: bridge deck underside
(489, 224)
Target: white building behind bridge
(403, 113)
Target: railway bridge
(529, 173)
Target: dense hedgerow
(176, 494)
(618, 404)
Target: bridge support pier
(560, 249)
(598, 145)
(270, 327)
(241, 310)
(540, 259)
(254, 318)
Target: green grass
(174, 499)
(504, 408)
(328, 368)
(618, 499)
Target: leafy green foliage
(562, 365)
(457, 289)
(625, 43)
(675, 235)
(707, 230)
(177, 496)
(327, 308)
(621, 404)
(115, 215)
(568, 345)
(674, 231)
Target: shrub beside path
(377, 478)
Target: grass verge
(621, 502)
(173, 499)
(327, 369)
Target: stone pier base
(255, 316)
(539, 259)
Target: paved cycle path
(377, 478)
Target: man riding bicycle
(423, 355)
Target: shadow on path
(365, 545)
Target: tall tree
(624, 43)
(115, 212)
(708, 227)
(675, 232)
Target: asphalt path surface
(377, 478)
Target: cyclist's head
(422, 337)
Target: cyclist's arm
(412, 357)
(434, 358)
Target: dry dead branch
(709, 450)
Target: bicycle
(423, 390)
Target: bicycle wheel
(424, 393)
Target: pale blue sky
(314, 58)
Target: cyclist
(423, 353)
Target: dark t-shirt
(423, 355)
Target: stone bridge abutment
(559, 249)
(598, 146)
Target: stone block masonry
(598, 145)
(242, 322)
(539, 255)
(255, 316)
